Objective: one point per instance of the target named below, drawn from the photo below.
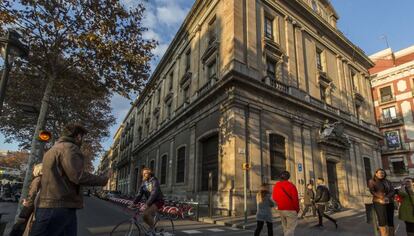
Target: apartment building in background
(393, 91)
(271, 83)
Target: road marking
(233, 228)
(191, 232)
(215, 230)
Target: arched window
(180, 171)
(163, 177)
(277, 155)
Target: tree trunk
(36, 152)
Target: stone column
(192, 163)
(171, 165)
(298, 152)
(360, 169)
(300, 58)
(308, 165)
(354, 174)
(290, 45)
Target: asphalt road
(99, 217)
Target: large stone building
(393, 90)
(271, 83)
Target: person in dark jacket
(309, 201)
(151, 190)
(321, 200)
(63, 176)
(382, 197)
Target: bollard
(210, 195)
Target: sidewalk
(352, 222)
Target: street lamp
(10, 48)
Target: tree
(14, 159)
(100, 39)
(75, 99)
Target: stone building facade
(393, 90)
(270, 83)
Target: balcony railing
(304, 96)
(390, 121)
(387, 99)
(404, 147)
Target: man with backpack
(321, 200)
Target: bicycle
(135, 226)
(333, 206)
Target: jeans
(321, 213)
(289, 222)
(306, 209)
(260, 227)
(55, 222)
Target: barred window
(180, 165)
(277, 155)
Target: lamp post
(10, 47)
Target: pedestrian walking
(309, 201)
(322, 198)
(406, 210)
(25, 219)
(286, 197)
(60, 193)
(383, 193)
(264, 211)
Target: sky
(364, 22)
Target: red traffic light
(45, 136)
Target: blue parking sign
(300, 167)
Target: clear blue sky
(362, 21)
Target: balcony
(156, 111)
(404, 147)
(306, 98)
(385, 122)
(168, 96)
(359, 99)
(387, 99)
(186, 79)
(272, 47)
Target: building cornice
(392, 74)
(334, 34)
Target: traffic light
(44, 136)
(246, 166)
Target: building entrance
(332, 179)
(209, 162)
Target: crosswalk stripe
(215, 230)
(191, 232)
(233, 228)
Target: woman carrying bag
(406, 211)
(383, 194)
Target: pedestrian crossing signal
(44, 136)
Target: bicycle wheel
(126, 228)
(164, 226)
